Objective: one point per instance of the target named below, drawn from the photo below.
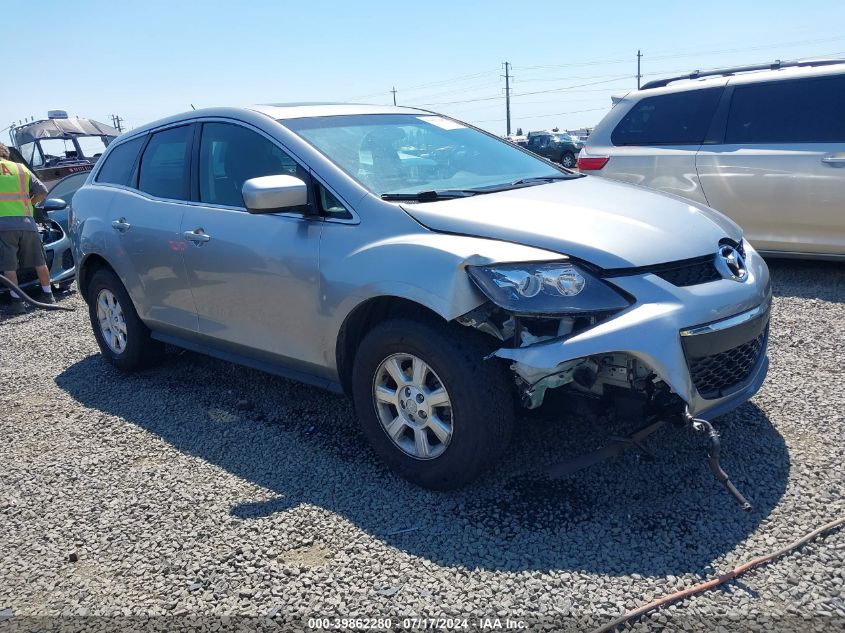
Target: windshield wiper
(432, 196)
(543, 179)
(447, 194)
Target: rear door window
(164, 165)
(119, 164)
(798, 111)
(680, 118)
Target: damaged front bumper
(706, 342)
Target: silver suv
(763, 144)
(439, 275)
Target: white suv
(763, 144)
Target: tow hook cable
(736, 572)
(30, 300)
(714, 448)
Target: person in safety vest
(20, 243)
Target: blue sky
(151, 59)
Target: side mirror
(54, 204)
(269, 194)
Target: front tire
(123, 338)
(430, 406)
(568, 160)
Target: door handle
(197, 236)
(834, 161)
(121, 225)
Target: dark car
(557, 147)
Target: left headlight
(546, 288)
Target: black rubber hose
(713, 451)
(30, 300)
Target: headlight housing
(546, 288)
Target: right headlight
(546, 288)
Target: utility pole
(508, 97)
(116, 121)
(394, 95)
(639, 75)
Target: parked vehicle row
(765, 145)
(437, 274)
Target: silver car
(440, 276)
(763, 144)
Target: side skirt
(270, 368)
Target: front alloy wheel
(413, 406)
(431, 407)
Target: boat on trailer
(61, 145)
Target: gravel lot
(205, 495)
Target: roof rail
(775, 65)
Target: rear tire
(464, 437)
(568, 160)
(123, 338)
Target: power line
(534, 92)
(748, 48)
(465, 87)
(693, 52)
(482, 79)
(538, 116)
(441, 82)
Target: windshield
(409, 154)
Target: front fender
(426, 268)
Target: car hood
(609, 224)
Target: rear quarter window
(680, 118)
(118, 165)
(808, 110)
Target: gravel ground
(201, 495)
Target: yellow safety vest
(14, 190)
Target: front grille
(718, 374)
(691, 274)
(67, 259)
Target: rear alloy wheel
(432, 408)
(123, 338)
(111, 320)
(568, 160)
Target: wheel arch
(364, 317)
(87, 268)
